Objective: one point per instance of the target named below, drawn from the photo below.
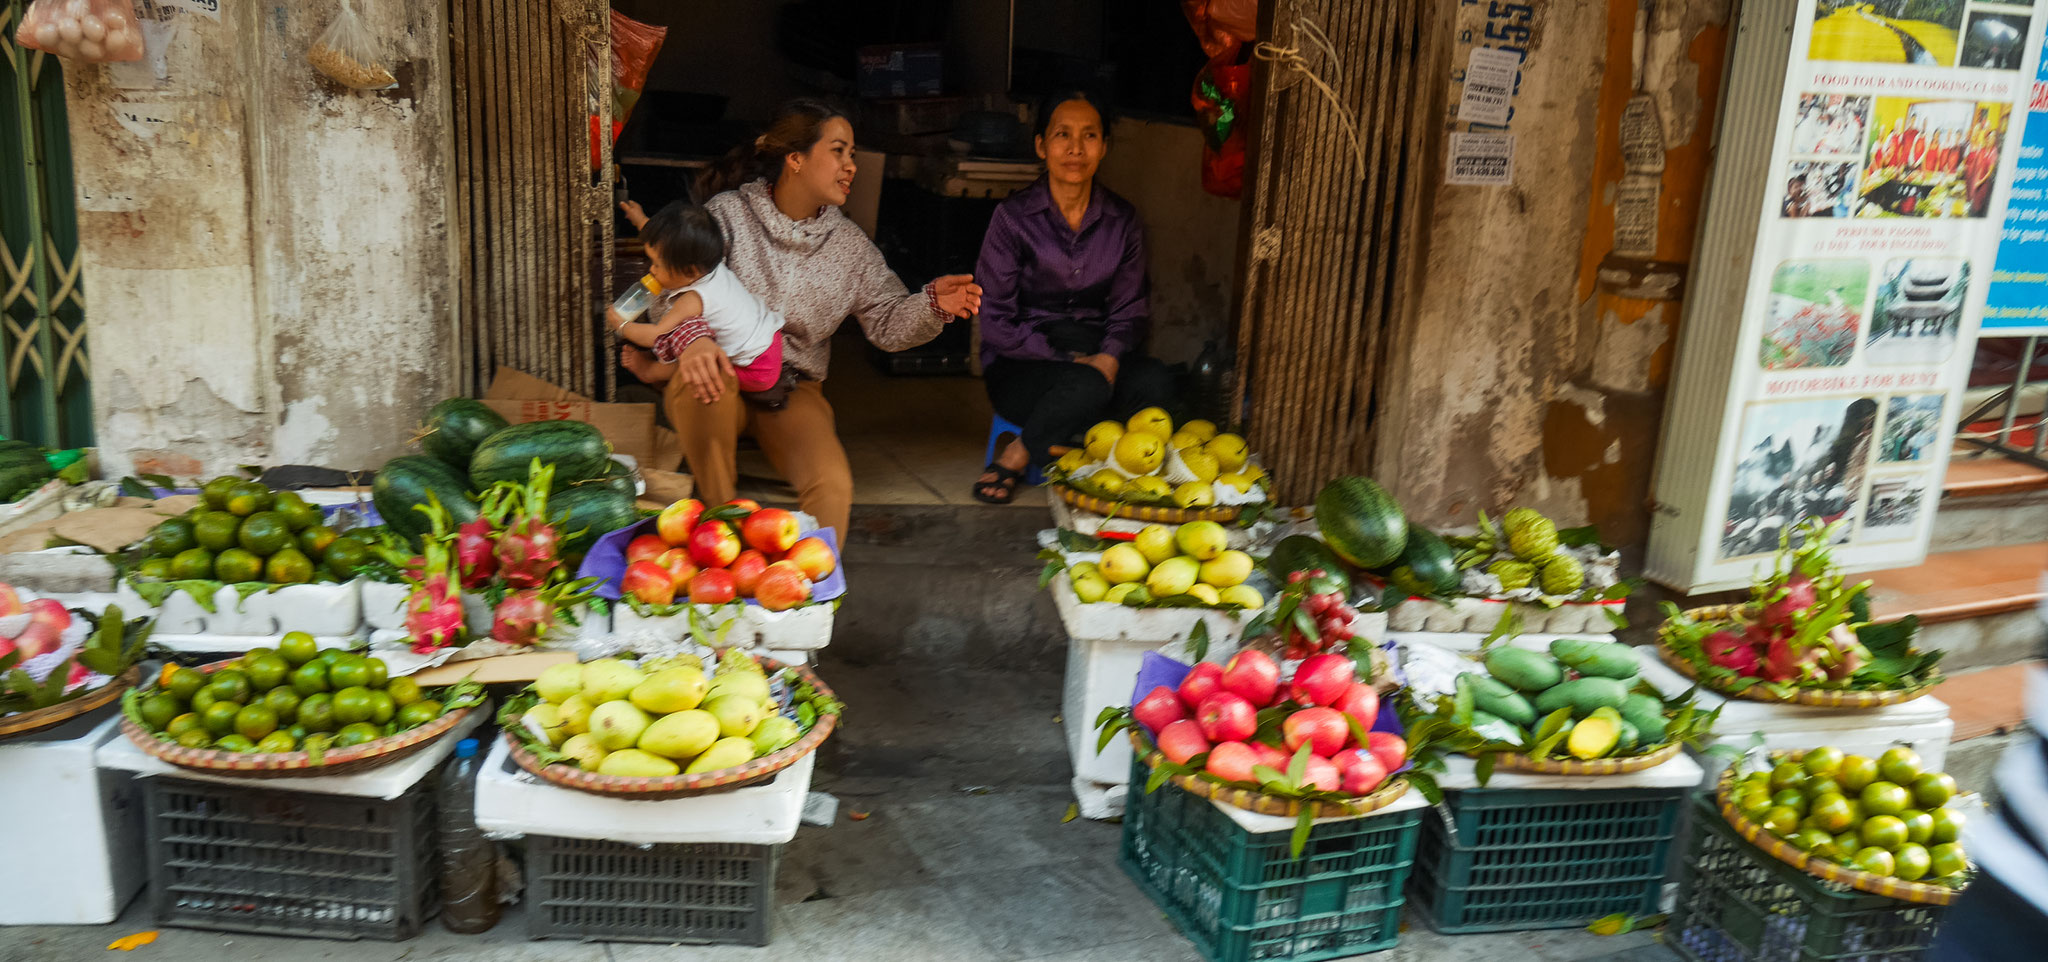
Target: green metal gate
(42, 307)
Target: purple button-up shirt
(1035, 269)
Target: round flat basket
(1922, 893)
(685, 785)
(21, 723)
(1143, 512)
(333, 761)
(1573, 766)
(1815, 697)
(1261, 803)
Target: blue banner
(2017, 302)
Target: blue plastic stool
(1000, 427)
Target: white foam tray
(75, 838)
(512, 803)
(384, 782)
(318, 609)
(806, 628)
(1257, 824)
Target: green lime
(316, 713)
(357, 734)
(329, 656)
(1820, 785)
(1812, 840)
(235, 743)
(1787, 775)
(289, 567)
(380, 673)
(310, 678)
(285, 702)
(255, 721)
(1791, 798)
(1885, 798)
(196, 738)
(418, 713)
(350, 672)
(157, 710)
(1847, 844)
(277, 742)
(1831, 812)
(1933, 789)
(173, 536)
(264, 533)
(1900, 765)
(315, 541)
(316, 742)
(352, 705)
(185, 682)
(1876, 861)
(189, 721)
(1855, 772)
(344, 556)
(1754, 802)
(1948, 826)
(219, 717)
(254, 655)
(382, 707)
(157, 568)
(297, 647)
(193, 565)
(1883, 831)
(1946, 859)
(215, 492)
(1912, 862)
(234, 691)
(268, 672)
(404, 691)
(1822, 761)
(248, 498)
(201, 699)
(216, 530)
(236, 566)
(1919, 826)
(1781, 821)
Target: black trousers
(1058, 401)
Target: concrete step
(1978, 604)
(1990, 502)
(1989, 711)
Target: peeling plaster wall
(267, 268)
(1190, 235)
(1523, 381)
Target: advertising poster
(1897, 133)
(2017, 305)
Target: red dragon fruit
(1730, 650)
(1798, 597)
(433, 611)
(79, 675)
(527, 551)
(522, 618)
(476, 542)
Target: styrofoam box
(383, 782)
(179, 615)
(1121, 623)
(1258, 824)
(74, 837)
(1460, 772)
(799, 629)
(316, 609)
(383, 603)
(1480, 615)
(1100, 801)
(1922, 724)
(211, 644)
(1067, 517)
(512, 803)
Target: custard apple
(1513, 575)
(1518, 519)
(1560, 574)
(1534, 540)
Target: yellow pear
(634, 763)
(1149, 488)
(1235, 482)
(1201, 540)
(1182, 440)
(1226, 570)
(1123, 564)
(1174, 576)
(737, 716)
(1152, 421)
(685, 734)
(576, 714)
(1120, 593)
(618, 724)
(745, 684)
(1101, 439)
(1253, 472)
(1110, 483)
(545, 721)
(1140, 452)
(1230, 451)
(1156, 543)
(1201, 464)
(727, 753)
(669, 690)
(609, 679)
(1243, 596)
(1199, 428)
(1205, 592)
(559, 682)
(1091, 588)
(776, 733)
(1073, 461)
(585, 751)
(1194, 494)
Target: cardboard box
(521, 397)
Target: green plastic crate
(1737, 904)
(1544, 858)
(1239, 896)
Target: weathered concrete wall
(266, 262)
(1190, 236)
(1526, 379)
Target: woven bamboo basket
(1597, 766)
(1252, 800)
(1160, 514)
(22, 723)
(1814, 697)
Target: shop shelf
(611, 891)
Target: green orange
(268, 671)
(1946, 859)
(1781, 821)
(216, 530)
(295, 510)
(1948, 826)
(173, 536)
(1855, 772)
(418, 713)
(343, 557)
(1822, 762)
(285, 702)
(382, 708)
(353, 705)
(404, 691)
(1787, 775)
(1900, 765)
(1792, 799)
(255, 721)
(315, 540)
(237, 565)
(195, 564)
(184, 682)
(351, 671)
(1885, 798)
(219, 717)
(196, 738)
(289, 567)
(215, 492)
(1876, 861)
(277, 742)
(1911, 862)
(1919, 826)
(234, 742)
(249, 497)
(189, 721)
(316, 713)
(157, 710)
(357, 734)
(1933, 789)
(297, 648)
(1883, 831)
(310, 678)
(1832, 813)
(156, 568)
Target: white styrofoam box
(1480, 615)
(207, 643)
(384, 782)
(74, 841)
(233, 614)
(1680, 772)
(1258, 824)
(476, 614)
(180, 614)
(1120, 623)
(512, 803)
(383, 603)
(1099, 801)
(1067, 517)
(790, 657)
(1922, 724)
(806, 628)
(316, 609)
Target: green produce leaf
(1889, 638)
(1508, 627)
(136, 489)
(1270, 778)
(1198, 641)
(1158, 777)
(1482, 767)
(727, 512)
(74, 473)
(1426, 784)
(1617, 619)
(1051, 570)
(1298, 765)
(1111, 722)
(1302, 826)
(1075, 541)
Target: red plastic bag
(85, 31)
(1222, 25)
(634, 47)
(1220, 89)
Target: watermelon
(23, 468)
(1361, 522)
(617, 477)
(575, 448)
(593, 510)
(1302, 553)
(1426, 568)
(456, 426)
(405, 482)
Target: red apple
(1364, 776)
(814, 556)
(677, 521)
(649, 583)
(10, 602)
(1321, 775)
(1252, 675)
(1232, 762)
(713, 545)
(1348, 758)
(647, 547)
(1227, 718)
(748, 504)
(1182, 740)
(782, 587)
(1203, 680)
(713, 586)
(1270, 757)
(770, 529)
(747, 570)
(1389, 748)
(1361, 702)
(1322, 679)
(680, 568)
(1158, 709)
(1323, 728)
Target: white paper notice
(209, 9)
(147, 120)
(154, 69)
(1489, 86)
(1481, 159)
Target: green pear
(685, 734)
(1156, 543)
(737, 715)
(1174, 576)
(618, 724)
(576, 714)
(652, 665)
(751, 687)
(726, 753)
(609, 680)
(559, 682)
(545, 721)
(776, 733)
(585, 751)
(670, 690)
(634, 763)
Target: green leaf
(726, 512)
(159, 480)
(1305, 624)
(1580, 537)
(74, 473)
(1617, 619)
(1051, 570)
(1426, 784)
(1509, 626)
(1298, 766)
(1482, 767)
(1075, 541)
(136, 489)
(1158, 777)
(1890, 637)
(1302, 826)
(1267, 775)
(1198, 640)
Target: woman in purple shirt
(1063, 306)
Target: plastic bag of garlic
(86, 31)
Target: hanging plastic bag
(1221, 25)
(634, 47)
(346, 55)
(1220, 90)
(85, 31)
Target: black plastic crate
(611, 891)
(1544, 858)
(259, 859)
(1737, 904)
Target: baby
(685, 253)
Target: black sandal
(1006, 480)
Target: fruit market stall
(1146, 470)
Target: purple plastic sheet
(1155, 669)
(607, 561)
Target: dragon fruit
(476, 542)
(527, 551)
(433, 610)
(1799, 595)
(522, 618)
(1730, 650)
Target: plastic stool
(1000, 427)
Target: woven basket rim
(1261, 803)
(1586, 768)
(685, 785)
(23, 723)
(1812, 697)
(1144, 512)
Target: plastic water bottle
(637, 299)
(469, 863)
